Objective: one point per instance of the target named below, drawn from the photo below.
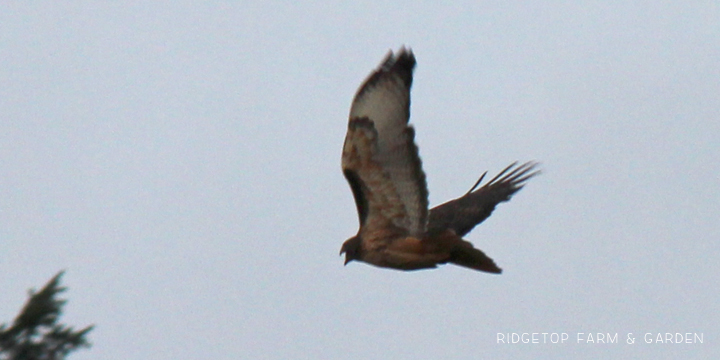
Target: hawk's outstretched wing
(465, 212)
(380, 159)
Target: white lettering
(531, 338)
(597, 338)
(611, 339)
(696, 338)
(669, 338)
(673, 338)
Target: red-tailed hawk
(380, 161)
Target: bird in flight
(381, 163)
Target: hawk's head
(351, 248)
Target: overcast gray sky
(182, 162)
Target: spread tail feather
(468, 256)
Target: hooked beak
(347, 259)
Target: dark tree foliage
(35, 334)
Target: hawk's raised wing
(464, 213)
(380, 159)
